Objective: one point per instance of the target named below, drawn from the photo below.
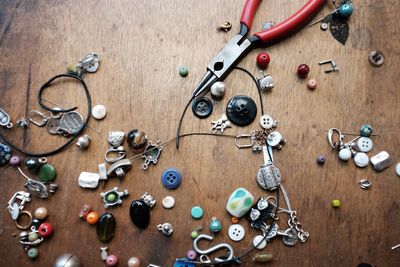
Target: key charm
(268, 176)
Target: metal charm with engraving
(70, 123)
(151, 154)
(268, 176)
(113, 197)
(148, 199)
(116, 138)
(220, 125)
(289, 237)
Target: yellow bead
(336, 203)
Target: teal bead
(215, 225)
(47, 173)
(33, 253)
(196, 212)
(366, 130)
(183, 71)
(346, 10)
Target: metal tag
(269, 177)
(290, 237)
(71, 122)
(53, 125)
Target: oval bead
(106, 227)
(140, 214)
(267, 257)
(47, 173)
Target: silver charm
(35, 188)
(381, 161)
(255, 214)
(119, 168)
(113, 197)
(220, 125)
(332, 63)
(52, 188)
(203, 253)
(266, 83)
(116, 138)
(89, 63)
(103, 253)
(120, 152)
(262, 204)
(151, 154)
(268, 176)
(289, 237)
(148, 199)
(70, 123)
(165, 228)
(53, 125)
(275, 140)
(270, 232)
(5, 120)
(365, 184)
(22, 123)
(83, 142)
(13, 207)
(24, 238)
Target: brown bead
(137, 139)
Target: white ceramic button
(267, 122)
(168, 202)
(361, 159)
(274, 139)
(364, 144)
(236, 232)
(345, 154)
(257, 239)
(99, 112)
(398, 169)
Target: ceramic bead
(41, 213)
(240, 202)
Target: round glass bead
(111, 260)
(194, 234)
(366, 130)
(183, 71)
(303, 70)
(336, 203)
(346, 10)
(47, 173)
(33, 253)
(321, 159)
(263, 60)
(215, 225)
(5, 154)
(15, 161)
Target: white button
(168, 202)
(236, 232)
(345, 154)
(267, 122)
(257, 239)
(365, 144)
(274, 139)
(99, 112)
(361, 159)
(398, 169)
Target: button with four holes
(361, 159)
(364, 144)
(241, 110)
(171, 178)
(236, 232)
(202, 107)
(267, 122)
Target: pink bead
(111, 260)
(191, 255)
(133, 262)
(312, 83)
(15, 161)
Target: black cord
(178, 130)
(73, 137)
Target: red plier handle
(292, 23)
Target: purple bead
(191, 255)
(15, 161)
(321, 159)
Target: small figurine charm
(113, 197)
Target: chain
(294, 222)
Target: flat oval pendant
(106, 227)
(140, 214)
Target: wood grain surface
(142, 43)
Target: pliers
(239, 46)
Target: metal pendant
(266, 83)
(52, 126)
(165, 228)
(5, 120)
(70, 123)
(151, 154)
(116, 138)
(269, 177)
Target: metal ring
(24, 227)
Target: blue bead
(171, 178)
(366, 130)
(180, 263)
(215, 225)
(196, 212)
(346, 10)
(5, 154)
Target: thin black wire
(178, 130)
(73, 137)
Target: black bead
(140, 214)
(32, 164)
(36, 222)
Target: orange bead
(92, 217)
(234, 220)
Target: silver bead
(83, 142)
(67, 260)
(217, 90)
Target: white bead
(88, 180)
(398, 169)
(257, 239)
(168, 202)
(99, 112)
(133, 262)
(361, 159)
(218, 89)
(345, 154)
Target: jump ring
(24, 227)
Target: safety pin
(212, 249)
(251, 136)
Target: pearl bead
(312, 84)
(133, 262)
(217, 90)
(263, 60)
(303, 70)
(41, 213)
(111, 260)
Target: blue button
(171, 178)
(196, 212)
(180, 263)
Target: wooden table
(142, 43)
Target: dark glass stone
(36, 223)
(140, 214)
(5, 154)
(136, 139)
(241, 110)
(106, 227)
(32, 164)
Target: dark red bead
(303, 70)
(45, 229)
(263, 60)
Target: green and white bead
(240, 202)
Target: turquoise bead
(47, 173)
(215, 225)
(33, 253)
(196, 212)
(366, 130)
(346, 10)
(183, 71)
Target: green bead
(111, 197)
(183, 71)
(194, 234)
(215, 226)
(33, 253)
(346, 10)
(72, 69)
(336, 203)
(47, 173)
(33, 236)
(196, 212)
(366, 130)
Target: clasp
(251, 137)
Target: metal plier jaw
(222, 64)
